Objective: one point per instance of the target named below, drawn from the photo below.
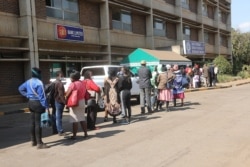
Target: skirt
(165, 95)
(179, 96)
(77, 114)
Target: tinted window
(95, 71)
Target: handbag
(45, 120)
(184, 82)
(73, 99)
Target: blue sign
(193, 47)
(69, 33)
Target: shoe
(95, 128)
(71, 137)
(105, 119)
(42, 146)
(33, 144)
(61, 134)
(114, 121)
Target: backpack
(113, 107)
(50, 93)
(169, 84)
(156, 83)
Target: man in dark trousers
(211, 74)
(145, 75)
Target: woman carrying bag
(77, 113)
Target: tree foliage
(223, 64)
(240, 49)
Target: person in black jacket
(124, 86)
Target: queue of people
(162, 86)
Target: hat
(36, 72)
(143, 62)
(168, 66)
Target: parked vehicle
(101, 72)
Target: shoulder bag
(73, 99)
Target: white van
(101, 71)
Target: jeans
(154, 97)
(57, 117)
(36, 131)
(145, 96)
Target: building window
(206, 37)
(185, 4)
(122, 20)
(204, 9)
(63, 9)
(186, 33)
(159, 27)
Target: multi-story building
(69, 34)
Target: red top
(91, 85)
(78, 85)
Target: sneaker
(105, 119)
(42, 146)
(61, 133)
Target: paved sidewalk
(22, 107)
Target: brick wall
(9, 6)
(41, 9)
(193, 6)
(139, 24)
(89, 13)
(171, 30)
(12, 75)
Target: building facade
(70, 34)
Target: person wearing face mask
(57, 112)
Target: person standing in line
(59, 104)
(189, 75)
(154, 84)
(77, 114)
(165, 94)
(178, 91)
(112, 78)
(124, 87)
(216, 70)
(145, 75)
(205, 74)
(33, 89)
(211, 75)
(92, 113)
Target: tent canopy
(153, 58)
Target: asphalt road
(210, 130)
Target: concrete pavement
(22, 107)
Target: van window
(95, 71)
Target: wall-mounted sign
(69, 33)
(193, 47)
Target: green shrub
(244, 74)
(224, 66)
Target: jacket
(33, 89)
(145, 75)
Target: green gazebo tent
(153, 58)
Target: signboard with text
(69, 33)
(193, 47)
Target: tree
(240, 49)
(223, 64)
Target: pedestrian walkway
(23, 107)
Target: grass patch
(222, 78)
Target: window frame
(159, 31)
(62, 11)
(121, 22)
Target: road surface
(212, 129)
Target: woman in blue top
(33, 89)
(178, 90)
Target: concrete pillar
(150, 29)
(105, 28)
(28, 27)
